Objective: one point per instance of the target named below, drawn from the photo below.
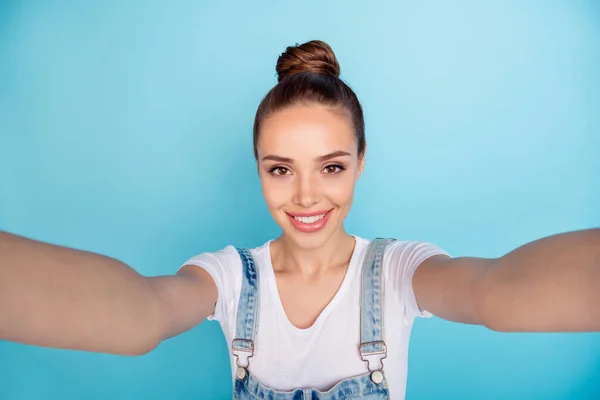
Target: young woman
(316, 313)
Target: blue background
(125, 129)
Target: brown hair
(309, 74)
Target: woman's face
(308, 166)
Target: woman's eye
(333, 169)
(279, 171)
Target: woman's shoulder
(225, 256)
(394, 242)
(405, 250)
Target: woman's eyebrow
(335, 154)
(326, 157)
(278, 159)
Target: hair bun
(315, 56)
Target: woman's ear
(361, 163)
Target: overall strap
(371, 304)
(247, 313)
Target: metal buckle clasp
(364, 354)
(237, 346)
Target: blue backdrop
(125, 129)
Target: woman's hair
(309, 74)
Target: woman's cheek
(341, 189)
(276, 194)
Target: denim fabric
(372, 346)
(247, 315)
(359, 387)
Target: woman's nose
(307, 191)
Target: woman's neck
(288, 256)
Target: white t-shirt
(286, 357)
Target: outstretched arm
(55, 296)
(549, 285)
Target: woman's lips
(312, 227)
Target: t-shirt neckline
(276, 298)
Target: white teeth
(309, 220)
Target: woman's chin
(308, 240)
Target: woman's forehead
(308, 130)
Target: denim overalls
(370, 385)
